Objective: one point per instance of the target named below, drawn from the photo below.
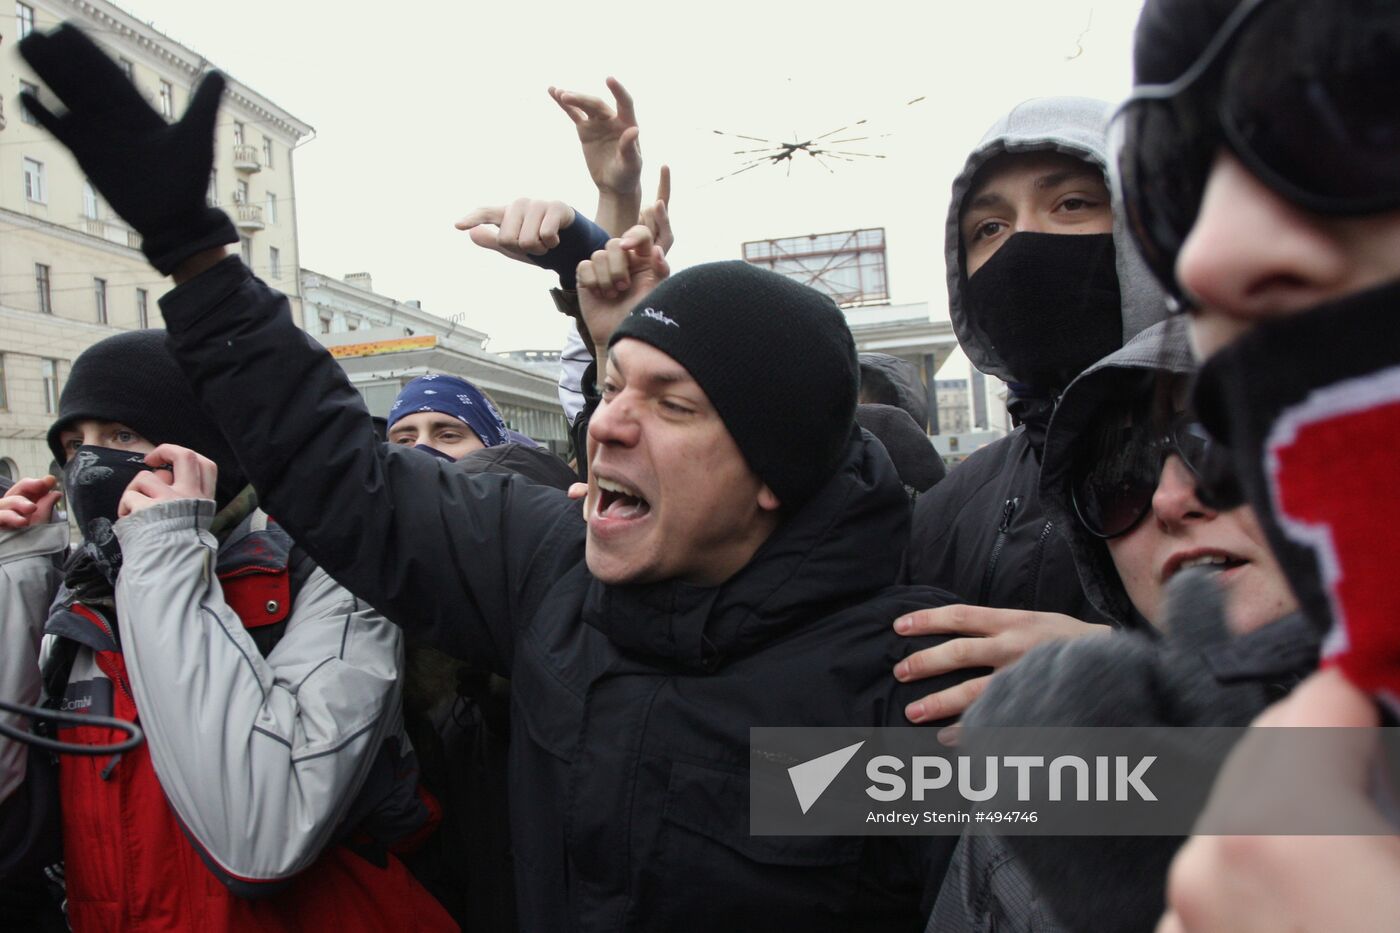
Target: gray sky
(426, 110)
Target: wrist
(618, 211)
(198, 263)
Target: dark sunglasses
(1305, 93)
(1117, 473)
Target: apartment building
(71, 272)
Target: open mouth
(1214, 561)
(617, 501)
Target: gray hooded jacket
(982, 532)
(1075, 126)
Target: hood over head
(1075, 126)
(889, 380)
(1161, 349)
(915, 460)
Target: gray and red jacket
(269, 789)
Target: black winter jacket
(983, 534)
(631, 705)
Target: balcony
(112, 232)
(248, 217)
(245, 159)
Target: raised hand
(521, 229)
(656, 216)
(617, 277)
(191, 476)
(154, 174)
(609, 137)
(28, 502)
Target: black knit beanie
(775, 358)
(132, 378)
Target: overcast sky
(425, 110)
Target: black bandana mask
(1049, 304)
(93, 483)
(1309, 407)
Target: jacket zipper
(1036, 562)
(119, 678)
(1003, 532)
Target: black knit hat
(775, 358)
(131, 378)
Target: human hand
(524, 228)
(1243, 884)
(616, 277)
(29, 502)
(191, 476)
(656, 216)
(154, 174)
(993, 638)
(609, 137)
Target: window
(245, 246)
(237, 133)
(24, 14)
(240, 194)
(4, 400)
(24, 113)
(50, 370)
(126, 68)
(41, 280)
(213, 196)
(143, 314)
(8, 470)
(274, 263)
(34, 187)
(167, 100)
(271, 208)
(90, 210)
(99, 292)
(326, 318)
(267, 152)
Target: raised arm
(445, 554)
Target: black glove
(154, 174)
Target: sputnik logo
(811, 778)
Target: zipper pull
(111, 766)
(1006, 512)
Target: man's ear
(767, 499)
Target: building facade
(71, 272)
(383, 344)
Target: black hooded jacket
(631, 705)
(982, 532)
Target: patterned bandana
(450, 395)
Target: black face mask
(1049, 304)
(1309, 407)
(93, 483)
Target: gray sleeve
(28, 579)
(260, 758)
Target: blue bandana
(450, 395)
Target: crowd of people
(424, 675)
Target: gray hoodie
(1076, 126)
